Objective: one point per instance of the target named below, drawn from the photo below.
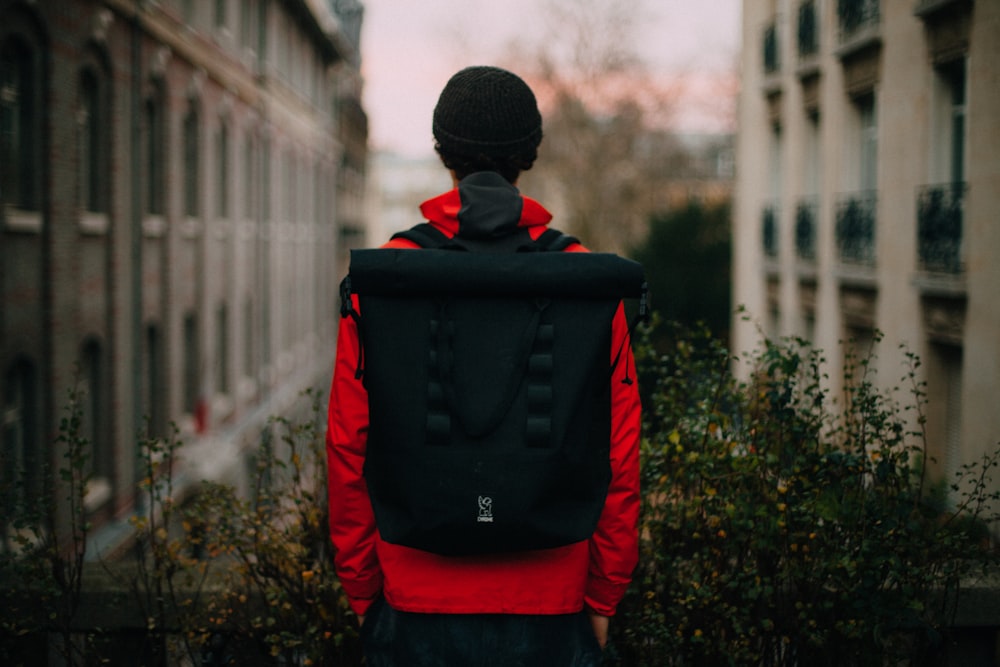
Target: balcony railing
(805, 229)
(855, 15)
(808, 32)
(856, 228)
(939, 227)
(772, 61)
(769, 231)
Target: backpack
(488, 379)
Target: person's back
(527, 607)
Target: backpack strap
(428, 236)
(641, 317)
(554, 240)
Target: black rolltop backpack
(488, 379)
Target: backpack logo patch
(485, 509)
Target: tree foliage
(687, 258)
(602, 154)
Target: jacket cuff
(360, 596)
(360, 606)
(602, 597)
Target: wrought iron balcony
(808, 32)
(772, 61)
(805, 229)
(769, 231)
(939, 227)
(855, 15)
(856, 228)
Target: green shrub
(276, 598)
(781, 527)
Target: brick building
(174, 177)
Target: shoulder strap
(428, 236)
(554, 240)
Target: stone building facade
(868, 185)
(173, 178)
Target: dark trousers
(400, 639)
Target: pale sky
(411, 47)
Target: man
(542, 607)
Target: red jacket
(593, 573)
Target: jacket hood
(484, 206)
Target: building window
(222, 349)
(95, 423)
(222, 160)
(91, 162)
(944, 409)
(806, 214)
(155, 409)
(856, 209)
(191, 163)
(807, 209)
(266, 185)
(21, 463)
(940, 206)
(191, 374)
(769, 231)
(249, 357)
(291, 183)
(20, 125)
(855, 15)
(220, 13)
(949, 122)
(251, 191)
(772, 54)
(153, 127)
(248, 24)
(856, 228)
(808, 29)
(867, 142)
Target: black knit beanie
(487, 111)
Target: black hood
(491, 207)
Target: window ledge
(94, 224)
(20, 220)
(223, 407)
(221, 228)
(772, 84)
(246, 389)
(98, 493)
(863, 39)
(154, 226)
(808, 67)
(808, 275)
(859, 276)
(927, 8)
(946, 285)
(246, 229)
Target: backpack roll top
(401, 272)
(488, 381)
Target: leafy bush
(44, 539)
(282, 602)
(272, 596)
(781, 527)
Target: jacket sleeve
(614, 547)
(352, 522)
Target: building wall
(169, 224)
(867, 130)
